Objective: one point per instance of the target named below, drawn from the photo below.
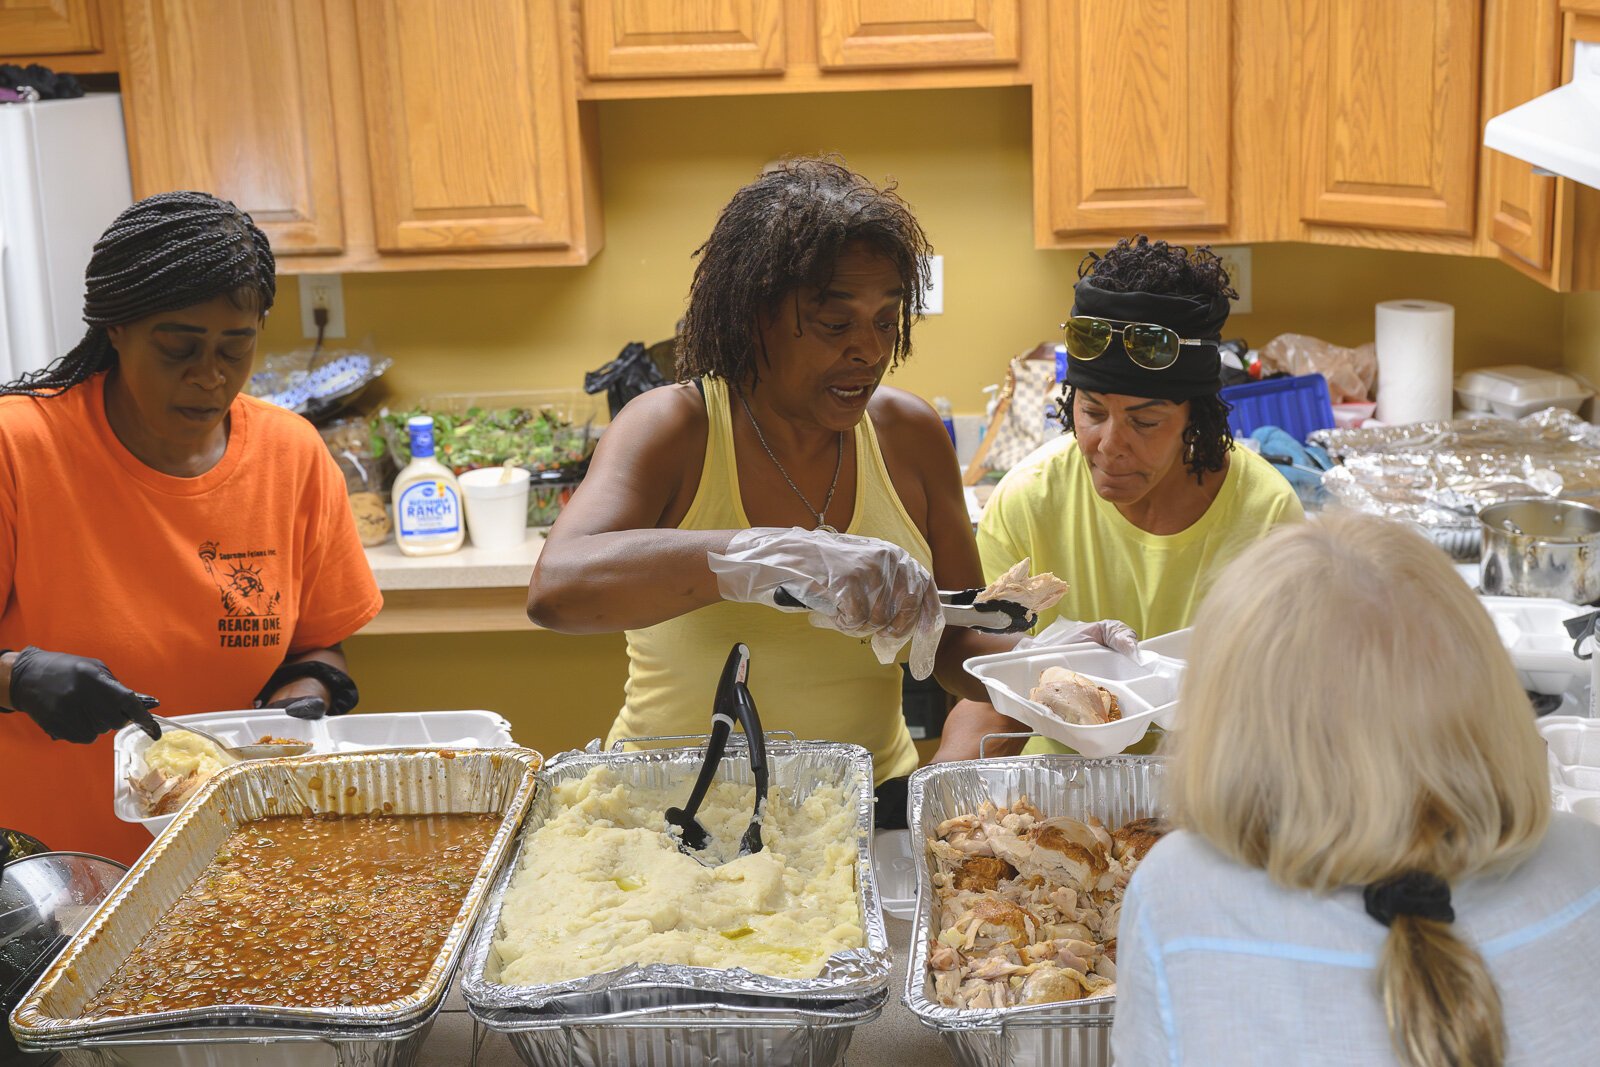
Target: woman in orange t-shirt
(160, 533)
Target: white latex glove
(1107, 633)
(860, 586)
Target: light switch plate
(1237, 260)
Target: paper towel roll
(1416, 356)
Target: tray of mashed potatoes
(601, 912)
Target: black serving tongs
(733, 700)
(960, 608)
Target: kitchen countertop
(470, 568)
(894, 1039)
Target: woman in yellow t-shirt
(780, 459)
(1146, 497)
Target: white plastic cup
(497, 505)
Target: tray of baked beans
(314, 896)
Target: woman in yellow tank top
(779, 435)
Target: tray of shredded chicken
(601, 916)
(300, 912)
(1020, 880)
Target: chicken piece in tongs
(1009, 604)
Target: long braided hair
(784, 230)
(168, 251)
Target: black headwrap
(1198, 371)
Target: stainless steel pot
(1541, 547)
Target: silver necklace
(838, 465)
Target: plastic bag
(631, 373)
(1351, 372)
(350, 442)
(316, 384)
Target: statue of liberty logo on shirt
(239, 582)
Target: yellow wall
(1583, 335)
(963, 161)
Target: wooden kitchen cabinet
(366, 135)
(75, 36)
(636, 49)
(49, 27)
(1391, 114)
(233, 97)
(1132, 128)
(864, 34)
(1522, 60)
(476, 160)
(681, 38)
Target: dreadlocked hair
(783, 231)
(1141, 265)
(168, 251)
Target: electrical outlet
(933, 299)
(324, 291)
(1237, 261)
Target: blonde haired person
(1367, 869)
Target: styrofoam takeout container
(1573, 742)
(1515, 390)
(338, 733)
(896, 870)
(1146, 687)
(1533, 631)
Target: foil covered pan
(796, 768)
(1113, 790)
(412, 782)
(249, 1046)
(705, 1035)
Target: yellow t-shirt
(815, 682)
(1048, 509)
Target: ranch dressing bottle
(427, 498)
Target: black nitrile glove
(300, 707)
(74, 698)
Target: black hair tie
(1415, 893)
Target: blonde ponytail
(1443, 1008)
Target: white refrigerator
(63, 178)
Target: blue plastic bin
(1298, 404)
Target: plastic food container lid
(1519, 384)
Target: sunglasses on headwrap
(1147, 344)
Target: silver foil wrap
(1113, 790)
(1437, 475)
(795, 768)
(413, 782)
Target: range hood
(1558, 132)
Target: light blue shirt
(1218, 965)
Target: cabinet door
(1522, 60)
(1138, 120)
(855, 34)
(681, 38)
(468, 124)
(48, 27)
(231, 97)
(1391, 113)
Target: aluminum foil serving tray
(1113, 790)
(796, 768)
(413, 782)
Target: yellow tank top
(817, 683)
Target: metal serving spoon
(238, 752)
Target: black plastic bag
(49, 84)
(631, 373)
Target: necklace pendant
(823, 527)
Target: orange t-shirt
(190, 589)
